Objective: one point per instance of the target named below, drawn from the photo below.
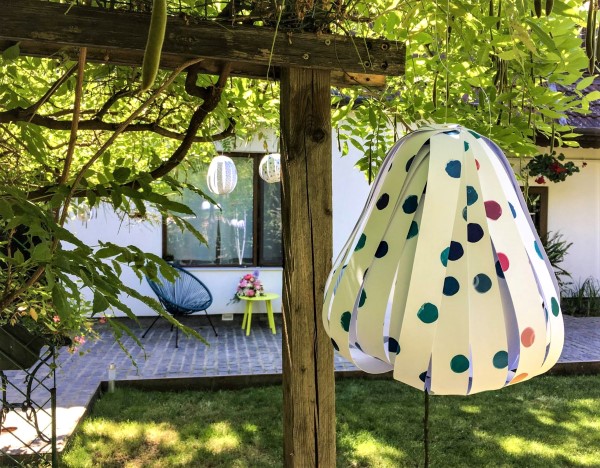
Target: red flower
(540, 180)
(557, 168)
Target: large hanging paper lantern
(222, 175)
(444, 279)
(270, 168)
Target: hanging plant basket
(19, 348)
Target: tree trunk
(308, 381)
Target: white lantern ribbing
(222, 175)
(444, 279)
(270, 168)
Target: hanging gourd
(444, 279)
(222, 175)
(269, 168)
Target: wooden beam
(308, 378)
(45, 28)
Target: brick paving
(230, 353)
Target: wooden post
(308, 380)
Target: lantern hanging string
(426, 430)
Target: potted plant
(549, 166)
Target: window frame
(542, 193)
(257, 215)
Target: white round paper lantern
(270, 168)
(222, 175)
(444, 279)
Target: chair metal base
(177, 329)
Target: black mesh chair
(184, 296)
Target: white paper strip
(443, 279)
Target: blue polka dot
(466, 146)
(456, 251)
(512, 210)
(451, 286)
(423, 376)
(472, 196)
(390, 167)
(499, 271)
(393, 346)
(410, 204)
(365, 273)
(413, 231)
(409, 163)
(474, 232)
(337, 348)
(464, 213)
(382, 249)
(538, 250)
(482, 283)
(383, 201)
(453, 169)
(361, 242)
(500, 360)
(428, 313)
(358, 346)
(444, 256)
(363, 298)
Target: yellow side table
(267, 298)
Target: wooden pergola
(307, 64)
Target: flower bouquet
(249, 286)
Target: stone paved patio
(230, 353)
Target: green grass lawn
(549, 421)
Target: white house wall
(350, 190)
(574, 211)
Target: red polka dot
(519, 378)
(503, 259)
(527, 337)
(492, 209)
(477, 164)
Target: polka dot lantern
(222, 175)
(444, 280)
(270, 168)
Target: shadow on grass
(550, 421)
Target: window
(537, 202)
(246, 231)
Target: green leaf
(100, 303)
(41, 253)
(12, 52)
(121, 174)
(584, 83)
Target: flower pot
(19, 348)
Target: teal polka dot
(413, 231)
(428, 313)
(472, 196)
(410, 204)
(464, 213)
(538, 250)
(459, 363)
(555, 307)
(475, 134)
(361, 242)
(345, 320)
(500, 360)
(363, 298)
(482, 283)
(444, 256)
(466, 146)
